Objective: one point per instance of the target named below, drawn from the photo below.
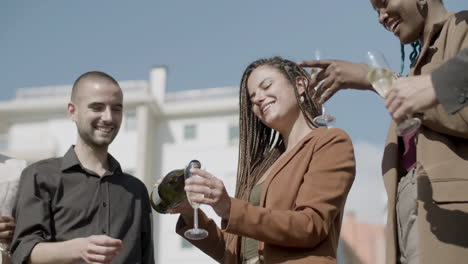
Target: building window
(190, 132)
(185, 243)
(130, 121)
(233, 136)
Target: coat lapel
(436, 28)
(283, 160)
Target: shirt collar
(70, 160)
(114, 165)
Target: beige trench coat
(442, 161)
(301, 206)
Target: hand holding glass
(323, 120)
(381, 78)
(195, 233)
(6, 213)
(4, 243)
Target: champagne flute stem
(323, 109)
(195, 218)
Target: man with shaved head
(81, 207)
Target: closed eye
(117, 108)
(96, 107)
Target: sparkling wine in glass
(195, 233)
(6, 211)
(381, 78)
(323, 120)
(5, 253)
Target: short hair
(92, 75)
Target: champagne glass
(4, 248)
(5, 211)
(323, 120)
(195, 233)
(381, 78)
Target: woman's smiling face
(272, 97)
(401, 17)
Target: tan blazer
(301, 206)
(442, 161)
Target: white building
(160, 132)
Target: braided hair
(259, 145)
(414, 55)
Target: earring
(301, 99)
(422, 3)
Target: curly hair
(259, 145)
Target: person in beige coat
(293, 178)
(425, 174)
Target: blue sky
(204, 44)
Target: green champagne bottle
(170, 192)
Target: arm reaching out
(338, 75)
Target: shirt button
(104, 204)
(104, 231)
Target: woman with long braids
(293, 178)
(425, 173)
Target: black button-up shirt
(59, 200)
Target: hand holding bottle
(169, 192)
(183, 207)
